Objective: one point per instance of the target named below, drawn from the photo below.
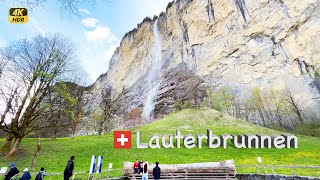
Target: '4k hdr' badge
(18, 15)
(122, 139)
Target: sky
(96, 31)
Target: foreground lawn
(55, 153)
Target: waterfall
(154, 76)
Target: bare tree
(259, 104)
(35, 156)
(3, 63)
(248, 108)
(106, 107)
(277, 104)
(95, 119)
(293, 104)
(70, 7)
(33, 66)
(226, 97)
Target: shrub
(186, 104)
(177, 105)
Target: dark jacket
(69, 168)
(156, 172)
(26, 176)
(13, 171)
(41, 175)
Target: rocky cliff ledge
(208, 44)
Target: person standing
(68, 172)
(41, 174)
(136, 167)
(156, 172)
(13, 171)
(26, 175)
(140, 167)
(145, 171)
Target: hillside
(55, 153)
(194, 46)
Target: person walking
(41, 174)
(156, 172)
(145, 171)
(13, 171)
(26, 174)
(136, 167)
(68, 172)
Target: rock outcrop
(238, 43)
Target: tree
(8, 142)
(270, 105)
(226, 97)
(33, 67)
(69, 6)
(278, 103)
(56, 115)
(3, 63)
(208, 97)
(221, 100)
(248, 108)
(95, 119)
(76, 104)
(106, 107)
(100, 119)
(66, 100)
(35, 156)
(293, 104)
(258, 103)
(236, 106)
(215, 101)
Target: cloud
(36, 25)
(103, 44)
(90, 22)
(101, 34)
(84, 11)
(99, 59)
(109, 52)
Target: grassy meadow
(55, 153)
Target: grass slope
(55, 153)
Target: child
(26, 175)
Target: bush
(186, 104)
(177, 105)
(312, 129)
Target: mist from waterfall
(153, 77)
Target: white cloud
(103, 44)
(36, 25)
(90, 22)
(84, 11)
(109, 52)
(96, 58)
(101, 34)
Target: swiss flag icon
(122, 139)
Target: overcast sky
(96, 32)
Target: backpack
(38, 177)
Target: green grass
(55, 153)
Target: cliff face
(209, 44)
